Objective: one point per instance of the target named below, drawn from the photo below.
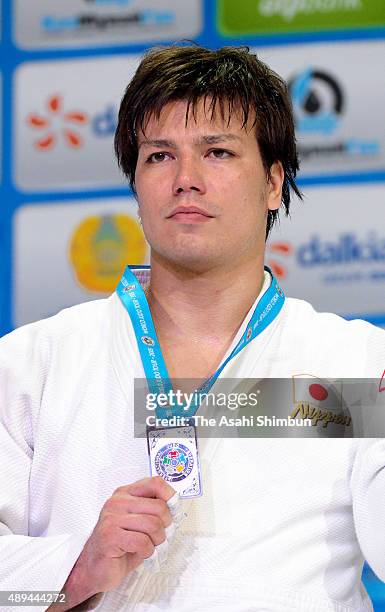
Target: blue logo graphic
(318, 101)
(101, 22)
(109, 2)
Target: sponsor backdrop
(68, 222)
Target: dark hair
(232, 78)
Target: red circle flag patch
(318, 392)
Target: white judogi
(282, 525)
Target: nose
(189, 177)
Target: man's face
(202, 189)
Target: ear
(274, 186)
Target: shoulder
(303, 314)
(80, 324)
(47, 359)
(354, 342)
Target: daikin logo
(346, 249)
(104, 123)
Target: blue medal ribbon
(135, 302)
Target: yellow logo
(102, 246)
(304, 410)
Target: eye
(220, 153)
(157, 157)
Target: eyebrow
(171, 144)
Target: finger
(154, 486)
(143, 523)
(125, 503)
(135, 542)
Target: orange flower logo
(55, 122)
(279, 248)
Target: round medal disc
(174, 462)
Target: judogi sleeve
(26, 563)
(368, 473)
(368, 495)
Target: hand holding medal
(135, 525)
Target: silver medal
(173, 454)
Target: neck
(208, 305)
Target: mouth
(189, 214)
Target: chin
(197, 262)
(194, 259)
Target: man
(206, 139)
